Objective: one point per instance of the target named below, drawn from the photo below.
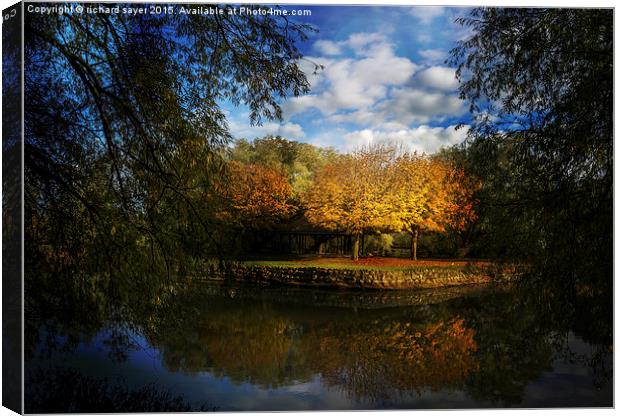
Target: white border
(510, 3)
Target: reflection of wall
(362, 299)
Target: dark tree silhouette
(540, 85)
(124, 128)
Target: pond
(243, 347)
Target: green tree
(124, 129)
(298, 161)
(540, 85)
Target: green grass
(310, 264)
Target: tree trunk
(362, 245)
(356, 247)
(414, 244)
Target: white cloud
(418, 106)
(331, 138)
(426, 14)
(385, 96)
(424, 37)
(363, 117)
(357, 83)
(406, 106)
(433, 56)
(300, 104)
(438, 77)
(421, 139)
(290, 131)
(311, 68)
(327, 47)
(241, 129)
(362, 43)
(376, 88)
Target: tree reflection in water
(374, 361)
(373, 347)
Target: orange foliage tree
(253, 196)
(354, 194)
(432, 195)
(380, 189)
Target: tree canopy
(253, 196)
(432, 195)
(124, 127)
(379, 190)
(540, 86)
(298, 161)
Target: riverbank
(339, 273)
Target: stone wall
(430, 277)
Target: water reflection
(373, 361)
(468, 347)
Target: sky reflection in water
(247, 348)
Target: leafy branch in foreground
(540, 87)
(124, 129)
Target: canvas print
(279, 207)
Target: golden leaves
(432, 193)
(255, 195)
(378, 190)
(353, 194)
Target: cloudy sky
(384, 77)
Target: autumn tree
(298, 161)
(431, 195)
(355, 194)
(253, 196)
(386, 189)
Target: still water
(240, 347)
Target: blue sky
(384, 78)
